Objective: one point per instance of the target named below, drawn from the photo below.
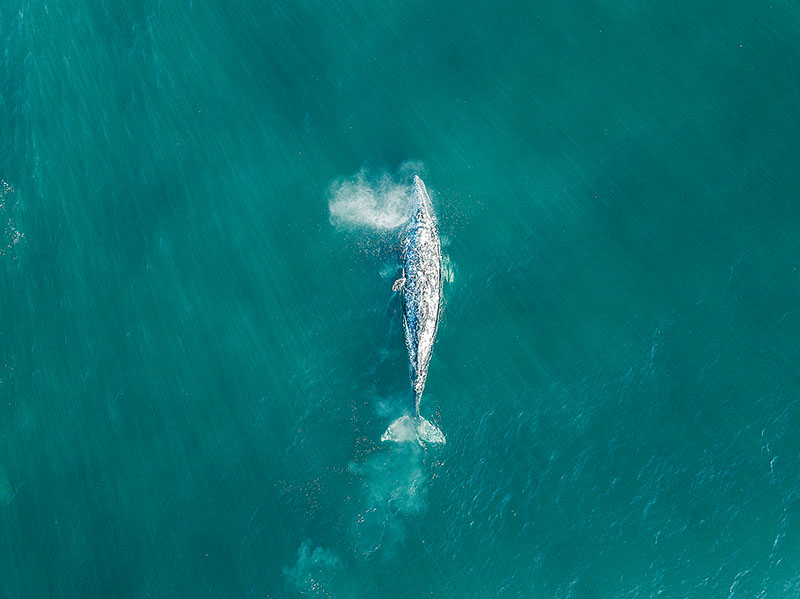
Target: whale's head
(424, 207)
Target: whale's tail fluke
(413, 428)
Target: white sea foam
(448, 269)
(379, 202)
(313, 570)
(394, 488)
(390, 268)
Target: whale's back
(422, 289)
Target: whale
(420, 287)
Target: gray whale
(421, 289)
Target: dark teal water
(200, 348)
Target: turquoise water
(201, 210)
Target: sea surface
(201, 213)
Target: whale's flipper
(408, 428)
(398, 284)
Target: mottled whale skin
(421, 291)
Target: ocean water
(199, 346)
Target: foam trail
(394, 487)
(381, 203)
(313, 572)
